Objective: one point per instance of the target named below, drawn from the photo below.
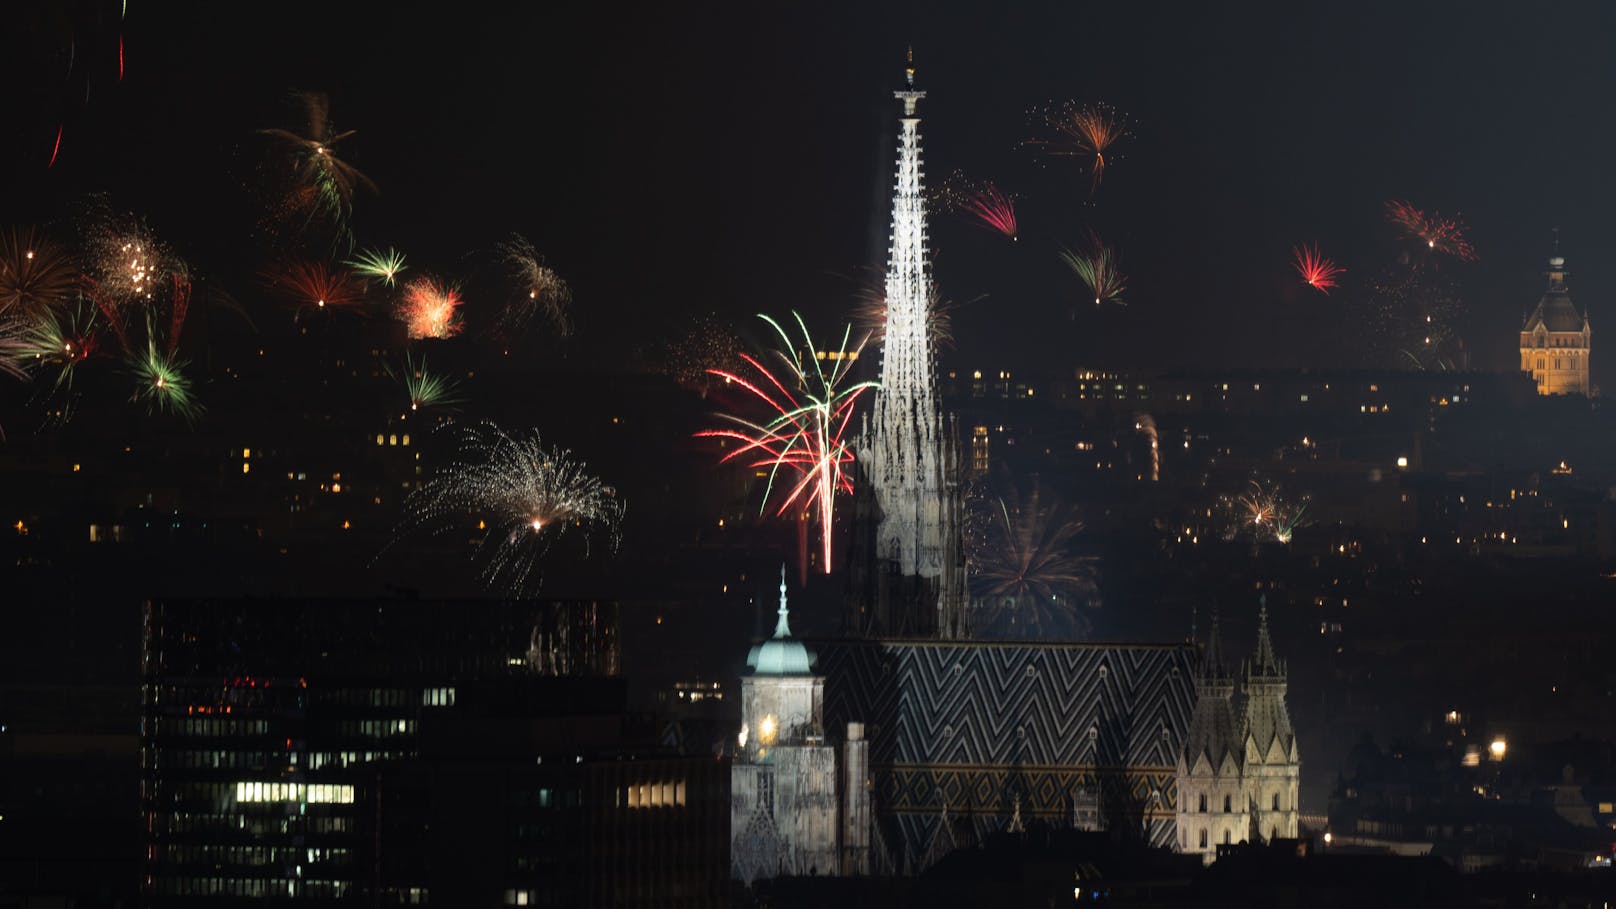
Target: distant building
(1555, 339)
(1239, 772)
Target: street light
(1498, 747)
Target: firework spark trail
(315, 285)
(1443, 235)
(806, 429)
(35, 274)
(131, 274)
(15, 349)
(1145, 424)
(533, 289)
(62, 337)
(427, 390)
(383, 266)
(1316, 270)
(1087, 131)
(985, 203)
(1098, 267)
(323, 184)
(430, 309)
(705, 347)
(522, 493)
(1264, 512)
(161, 384)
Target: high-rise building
(908, 560)
(1555, 339)
(1239, 772)
(412, 752)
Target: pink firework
(1443, 235)
(1316, 270)
(805, 430)
(993, 209)
(430, 309)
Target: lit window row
(314, 793)
(654, 795)
(392, 439)
(438, 697)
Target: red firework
(993, 209)
(1443, 235)
(430, 309)
(1316, 270)
(315, 285)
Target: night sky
(686, 158)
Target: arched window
(1225, 837)
(1203, 803)
(1203, 839)
(1276, 801)
(1540, 362)
(1226, 810)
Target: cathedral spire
(1263, 662)
(1212, 668)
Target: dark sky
(684, 158)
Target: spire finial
(781, 628)
(1212, 659)
(1263, 661)
(909, 65)
(1556, 241)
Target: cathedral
(1555, 339)
(1239, 773)
(883, 752)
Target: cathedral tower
(1555, 339)
(1272, 766)
(1212, 801)
(910, 580)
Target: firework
(322, 184)
(985, 203)
(161, 385)
(1145, 425)
(134, 276)
(1085, 131)
(15, 350)
(1098, 267)
(382, 266)
(1443, 235)
(315, 285)
(522, 495)
(35, 274)
(62, 337)
(1411, 315)
(1316, 270)
(430, 309)
(695, 356)
(870, 315)
(1025, 570)
(804, 432)
(533, 289)
(427, 390)
(1264, 513)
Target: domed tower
(1555, 339)
(1212, 801)
(783, 812)
(1272, 768)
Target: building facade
(1556, 339)
(1239, 772)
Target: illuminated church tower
(1555, 339)
(909, 568)
(1239, 772)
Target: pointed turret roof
(1214, 732)
(1555, 311)
(1262, 661)
(1265, 720)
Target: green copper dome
(781, 655)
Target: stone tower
(909, 562)
(784, 813)
(1212, 801)
(1238, 773)
(1555, 339)
(1272, 766)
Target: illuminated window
(380, 438)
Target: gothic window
(765, 792)
(1276, 801)
(1225, 837)
(1540, 362)
(1226, 810)
(1203, 839)
(1203, 803)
